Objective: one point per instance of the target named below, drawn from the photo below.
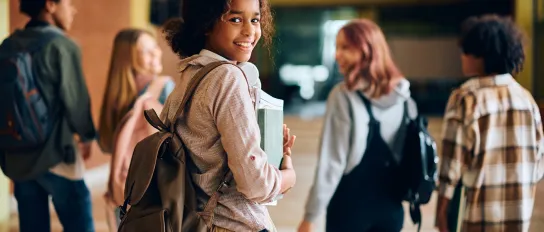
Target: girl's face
(237, 33)
(347, 56)
(148, 58)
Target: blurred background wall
(422, 34)
(300, 66)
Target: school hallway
(305, 123)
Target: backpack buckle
(222, 185)
(122, 212)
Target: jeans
(71, 199)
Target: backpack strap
(405, 114)
(368, 106)
(208, 212)
(193, 84)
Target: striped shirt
(221, 133)
(492, 140)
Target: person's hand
(85, 149)
(289, 176)
(288, 140)
(306, 226)
(286, 163)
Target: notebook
(270, 120)
(269, 116)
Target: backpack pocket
(154, 222)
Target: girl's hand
(289, 176)
(288, 141)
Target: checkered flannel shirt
(493, 141)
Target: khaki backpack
(132, 129)
(159, 192)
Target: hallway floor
(288, 213)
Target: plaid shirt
(493, 140)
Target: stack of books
(270, 119)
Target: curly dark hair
(186, 35)
(33, 8)
(495, 39)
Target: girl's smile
(241, 25)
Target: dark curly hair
(32, 8)
(497, 40)
(186, 35)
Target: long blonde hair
(121, 90)
(376, 67)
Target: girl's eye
(236, 20)
(256, 20)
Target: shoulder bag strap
(185, 104)
(193, 84)
(368, 106)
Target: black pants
(387, 218)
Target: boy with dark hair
(493, 138)
(55, 167)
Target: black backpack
(418, 166)
(417, 171)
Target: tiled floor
(288, 213)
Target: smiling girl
(220, 129)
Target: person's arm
(230, 104)
(457, 144)
(333, 152)
(73, 91)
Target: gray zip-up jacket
(344, 136)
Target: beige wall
(523, 15)
(427, 58)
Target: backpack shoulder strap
(210, 206)
(208, 213)
(411, 108)
(368, 106)
(191, 88)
